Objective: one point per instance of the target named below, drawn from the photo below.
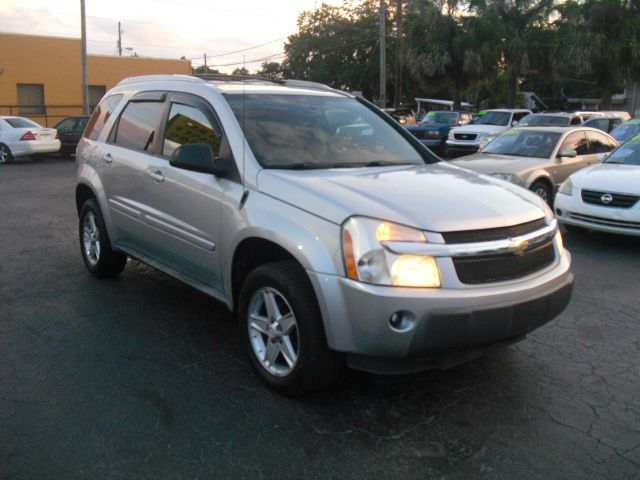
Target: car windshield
(627, 130)
(524, 143)
(19, 122)
(492, 118)
(448, 118)
(550, 120)
(627, 154)
(317, 131)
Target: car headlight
(433, 133)
(566, 187)
(450, 136)
(509, 177)
(485, 139)
(366, 258)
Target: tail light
(28, 136)
(57, 135)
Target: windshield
(627, 130)
(18, 122)
(448, 118)
(314, 131)
(628, 154)
(492, 118)
(524, 143)
(550, 120)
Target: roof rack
(149, 78)
(256, 78)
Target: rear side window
(136, 128)
(575, 141)
(100, 116)
(599, 143)
(576, 121)
(187, 124)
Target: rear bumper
(30, 147)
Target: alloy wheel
(91, 239)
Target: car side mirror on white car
(568, 153)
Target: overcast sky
(167, 28)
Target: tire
(99, 258)
(543, 191)
(300, 359)
(5, 154)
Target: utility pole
(206, 70)
(119, 40)
(83, 41)
(383, 56)
(398, 73)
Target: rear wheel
(283, 330)
(5, 154)
(99, 258)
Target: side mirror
(197, 157)
(514, 122)
(569, 152)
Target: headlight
(366, 259)
(433, 133)
(566, 188)
(450, 136)
(509, 177)
(485, 139)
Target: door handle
(107, 158)
(157, 176)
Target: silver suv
(326, 226)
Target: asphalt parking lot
(143, 377)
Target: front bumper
(356, 317)
(457, 148)
(571, 210)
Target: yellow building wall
(57, 64)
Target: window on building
(31, 98)
(96, 92)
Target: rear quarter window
(100, 116)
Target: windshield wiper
(384, 163)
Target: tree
(271, 70)
(241, 72)
(515, 22)
(447, 50)
(601, 38)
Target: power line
(246, 49)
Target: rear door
(565, 166)
(599, 145)
(123, 165)
(187, 204)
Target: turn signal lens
(415, 271)
(559, 243)
(390, 232)
(349, 257)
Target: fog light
(402, 321)
(558, 212)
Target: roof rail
(248, 78)
(150, 78)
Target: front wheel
(5, 154)
(99, 258)
(283, 330)
(542, 190)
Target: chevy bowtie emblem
(518, 246)
(607, 198)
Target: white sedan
(20, 136)
(604, 197)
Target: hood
(436, 197)
(491, 129)
(609, 177)
(489, 163)
(427, 126)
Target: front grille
(489, 234)
(618, 200)
(418, 133)
(499, 268)
(465, 136)
(609, 222)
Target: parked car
(405, 116)
(540, 158)
(332, 232)
(627, 130)
(20, 137)
(434, 128)
(549, 120)
(70, 131)
(617, 113)
(485, 127)
(606, 123)
(604, 197)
